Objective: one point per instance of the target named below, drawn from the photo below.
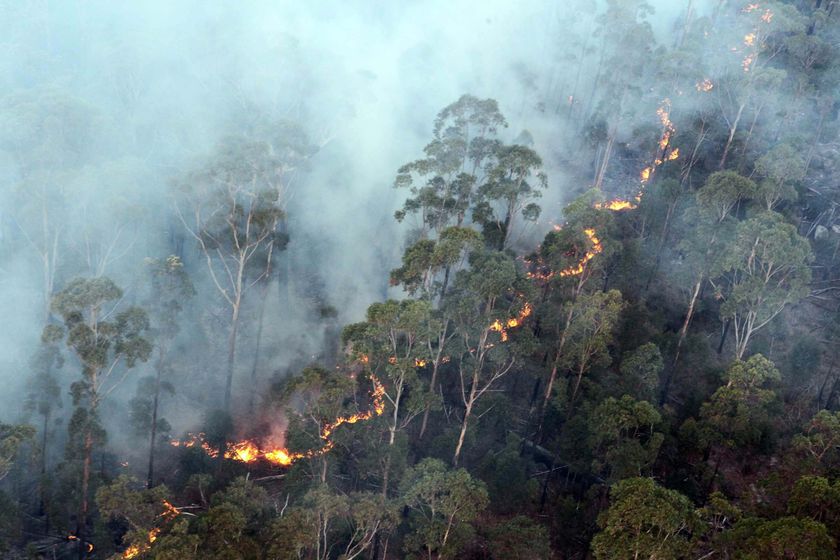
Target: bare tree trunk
(81, 523)
(732, 130)
(662, 239)
(581, 369)
(231, 361)
(155, 404)
(723, 335)
(260, 322)
(432, 383)
(467, 411)
(602, 171)
(683, 332)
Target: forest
(426, 280)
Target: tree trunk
(231, 361)
(467, 411)
(81, 523)
(602, 170)
(42, 486)
(683, 332)
(426, 412)
(662, 239)
(581, 369)
(747, 141)
(159, 367)
(723, 335)
(260, 322)
(732, 130)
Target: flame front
(616, 205)
(588, 256)
(501, 328)
(249, 451)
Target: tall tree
(479, 311)
(48, 135)
(392, 341)
(763, 270)
(106, 351)
(442, 503)
(515, 178)
(710, 226)
(644, 520)
(232, 208)
(170, 289)
(455, 164)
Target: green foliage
(722, 191)
(739, 412)
(460, 151)
(764, 270)
(781, 167)
(443, 504)
(519, 538)
(640, 371)
(622, 437)
(821, 439)
(11, 438)
(644, 521)
(788, 537)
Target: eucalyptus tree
(479, 310)
(106, 351)
(589, 333)
(515, 178)
(624, 59)
(644, 520)
(312, 402)
(12, 436)
(43, 397)
(763, 270)
(623, 437)
(443, 184)
(169, 289)
(820, 441)
(325, 521)
(568, 258)
(427, 264)
(710, 226)
(44, 392)
(392, 342)
(233, 207)
(442, 504)
(781, 168)
(739, 411)
(47, 135)
(749, 81)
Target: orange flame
(248, 451)
(511, 323)
(616, 205)
(749, 39)
(169, 512)
(588, 256)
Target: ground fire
(250, 451)
(665, 153)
